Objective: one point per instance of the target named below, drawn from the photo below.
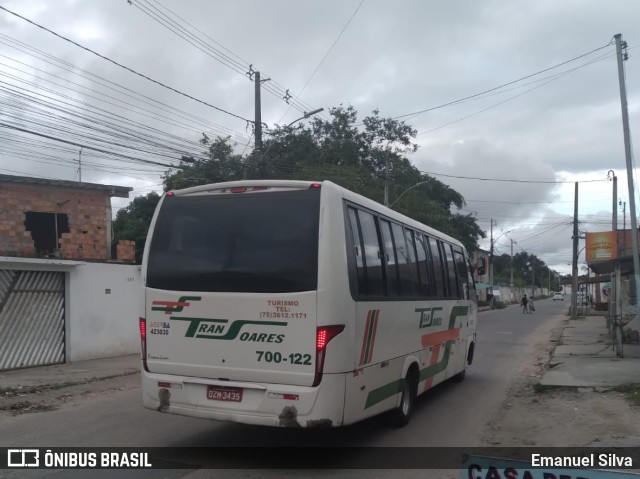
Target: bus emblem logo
(170, 307)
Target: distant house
(62, 295)
(58, 219)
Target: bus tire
(472, 347)
(458, 378)
(400, 416)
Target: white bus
(298, 304)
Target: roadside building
(63, 295)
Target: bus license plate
(218, 393)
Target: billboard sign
(601, 246)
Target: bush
(501, 305)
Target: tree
(132, 222)
(221, 164)
(351, 154)
(355, 156)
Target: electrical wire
(124, 67)
(503, 85)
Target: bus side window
(413, 262)
(372, 260)
(361, 272)
(451, 269)
(424, 266)
(438, 268)
(402, 256)
(391, 262)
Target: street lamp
(407, 190)
(303, 117)
(306, 115)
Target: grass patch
(631, 393)
(7, 391)
(543, 388)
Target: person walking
(524, 303)
(531, 306)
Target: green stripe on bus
(438, 367)
(383, 392)
(392, 388)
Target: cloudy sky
(558, 125)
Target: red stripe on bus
(373, 339)
(440, 337)
(364, 339)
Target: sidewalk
(59, 375)
(584, 357)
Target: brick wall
(85, 210)
(126, 251)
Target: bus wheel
(400, 416)
(458, 378)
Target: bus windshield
(263, 242)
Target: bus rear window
(245, 243)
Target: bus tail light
(324, 335)
(143, 342)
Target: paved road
(449, 415)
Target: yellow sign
(601, 246)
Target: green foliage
(355, 158)
(527, 269)
(220, 165)
(353, 155)
(132, 222)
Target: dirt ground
(557, 417)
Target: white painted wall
(101, 324)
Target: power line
(495, 105)
(241, 67)
(31, 132)
(501, 86)
(125, 67)
(510, 180)
(127, 92)
(331, 47)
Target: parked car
(558, 296)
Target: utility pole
(491, 259)
(533, 280)
(386, 182)
(613, 302)
(574, 268)
(627, 151)
(80, 166)
(258, 125)
(511, 279)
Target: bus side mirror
(481, 267)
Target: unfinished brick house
(58, 219)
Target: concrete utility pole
(511, 278)
(386, 182)
(80, 166)
(533, 280)
(258, 123)
(613, 303)
(574, 268)
(491, 259)
(635, 324)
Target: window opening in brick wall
(46, 229)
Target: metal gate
(31, 318)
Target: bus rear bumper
(261, 404)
